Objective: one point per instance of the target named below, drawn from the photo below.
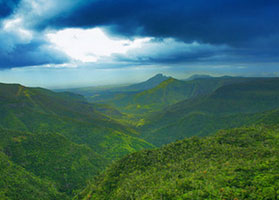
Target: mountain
(148, 84)
(168, 92)
(250, 96)
(91, 92)
(239, 163)
(60, 136)
(39, 110)
(60, 142)
(229, 106)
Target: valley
(113, 143)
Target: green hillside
(59, 141)
(61, 138)
(168, 92)
(38, 110)
(91, 93)
(229, 106)
(17, 183)
(235, 164)
(148, 84)
(53, 157)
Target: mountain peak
(157, 79)
(150, 83)
(159, 76)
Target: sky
(76, 43)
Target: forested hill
(229, 106)
(166, 93)
(38, 110)
(241, 163)
(58, 137)
(91, 92)
(60, 166)
(18, 183)
(57, 142)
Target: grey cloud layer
(7, 7)
(217, 21)
(20, 44)
(226, 30)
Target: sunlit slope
(38, 110)
(93, 93)
(166, 93)
(229, 106)
(240, 163)
(148, 84)
(52, 157)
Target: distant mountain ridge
(232, 105)
(91, 92)
(168, 92)
(148, 84)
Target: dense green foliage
(229, 106)
(60, 137)
(17, 183)
(241, 163)
(52, 156)
(54, 143)
(39, 111)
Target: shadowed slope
(168, 92)
(229, 106)
(39, 110)
(234, 164)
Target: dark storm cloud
(7, 7)
(19, 45)
(249, 29)
(170, 51)
(32, 53)
(233, 22)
